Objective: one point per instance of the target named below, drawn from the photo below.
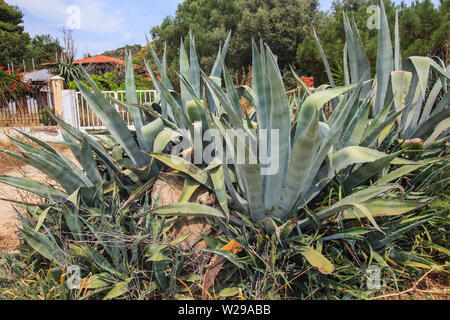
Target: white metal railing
(85, 118)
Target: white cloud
(437, 3)
(46, 10)
(97, 16)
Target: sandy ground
(8, 217)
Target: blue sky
(104, 24)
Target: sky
(100, 25)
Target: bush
(12, 85)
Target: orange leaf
(232, 246)
(215, 265)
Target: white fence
(78, 113)
(32, 105)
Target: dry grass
(433, 285)
(14, 167)
(8, 163)
(244, 78)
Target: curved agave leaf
(194, 66)
(384, 207)
(339, 161)
(232, 93)
(426, 127)
(314, 102)
(353, 155)
(62, 175)
(175, 107)
(217, 67)
(385, 63)
(190, 186)
(261, 87)
(279, 119)
(324, 59)
(303, 154)
(253, 181)
(400, 82)
(151, 130)
(359, 63)
(95, 145)
(51, 153)
(89, 163)
(162, 69)
(112, 121)
(442, 127)
(45, 246)
(131, 96)
(188, 209)
(118, 290)
(36, 187)
(356, 128)
(367, 171)
(397, 53)
(218, 179)
(184, 166)
(420, 68)
(359, 197)
(185, 71)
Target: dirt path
(8, 217)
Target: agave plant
(300, 161)
(314, 149)
(352, 148)
(66, 68)
(398, 87)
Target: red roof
(99, 59)
(96, 59)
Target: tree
(424, 30)
(17, 46)
(308, 61)
(333, 36)
(13, 39)
(209, 21)
(42, 48)
(280, 23)
(119, 53)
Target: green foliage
(103, 82)
(282, 24)
(348, 192)
(308, 56)
(118, 256)
(121, 52)
(17, 45)
(12, 38)
(209, 21)
(45, 119)
(43, 49)
(422, 31)
(110, 81)
(66, 69)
